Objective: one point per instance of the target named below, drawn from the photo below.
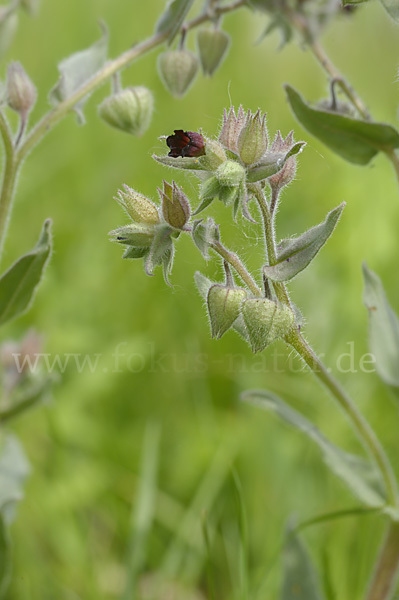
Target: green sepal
(204, 233)
(272, 163)
(224, 304)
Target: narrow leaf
(77, 69)
(173, 17)
(18, 284)
(14, 469)
(294, 254)
(359, 475)
(383, 329)
(272, 163)
(354, 140)
(300, 581)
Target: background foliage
(72, 533)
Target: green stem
(361, 425)
(9, 178)
(301, 24)
(236, 263)
(387, 568)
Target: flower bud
(265, 321)
(252, 141)
(138, 235)
(175, 206)
(139, 208)
(177, 69)
(129, 110)
(21, 92)
(231, 128)
(224, 304)
(214, 155)
(230, 173)
(212, 48)
(287, 173)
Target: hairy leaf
(19, 283)
(383, 329)
(294, 254)
(77, 69)
(359, 475)
(173, 17)
(354, 140)
(300, 581)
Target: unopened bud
(287, 173)
(21, 92)
(212, 48)
(129, 110)
(224, 305)
(252, 141)
(139, 208)
(175, 206)
(177, 69)
(214, 155)
(231, 128)
(265, 321)
(137, 235)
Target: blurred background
(170, 383)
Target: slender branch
(387, 568)
(236, 263)
(361, 425)
(300, 23)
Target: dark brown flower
(185, 143)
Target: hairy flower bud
(129, 110)
(230, 173)
(139, 208)
(287, 173)
(231, 128)
(265, 321)
(212, 47)
(224, 305)
(175, 206)
(252, 140)
(21, 92)
(177, 69)
(137, 235)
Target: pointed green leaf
(300, 580)
(383, 329)
(14, 469)
(354, 140)
(19, 283)
(172, 19)
(359, 475)
(294, 254)
(190, 163)
(77, 69)
(392, 8)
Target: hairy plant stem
(301, 24)
(295, 339)
(387, 568)
(15, 155)
(235, 262)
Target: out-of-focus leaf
(281, 24)
(300, 581)
(14, 469)
(19, 283)
(354, 140)
(8, 28)
(173, 17)
(392, 8)
(5, 558)
(27, 398)
(294, 254)
(359, 475)
(77, 69)
(383, 328)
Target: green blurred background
(71, 536)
